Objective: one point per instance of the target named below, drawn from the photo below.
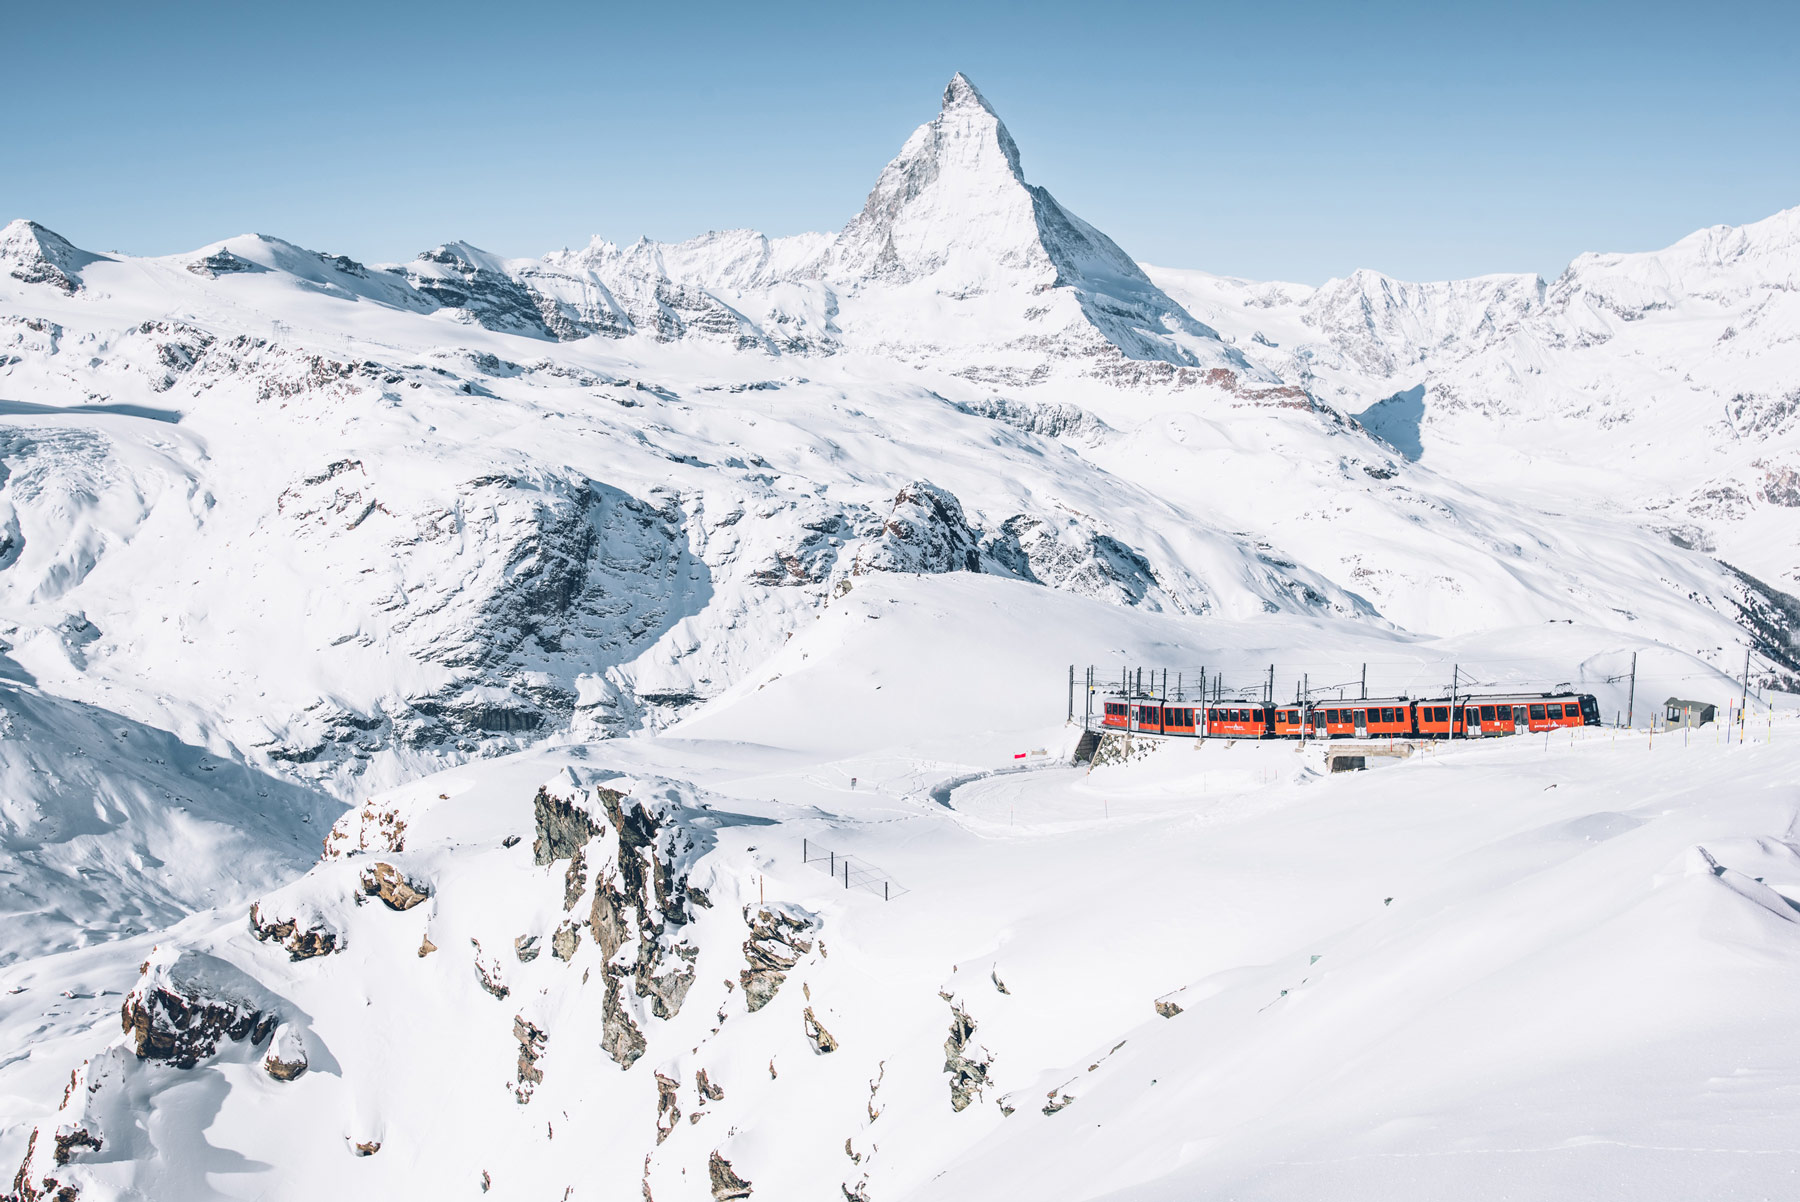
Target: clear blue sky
(1295, 141)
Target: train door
(1319, 731)
(1362, 723)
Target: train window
(1331, 716)
(1440, 713)
(1505, 712)
(1487, 713)
(1537, 713)
(1556, 711)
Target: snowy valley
(428, 690)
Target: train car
(1485, 717)
(1438, 719)
(1374, 718)
(1181, 718)
(1290, 721)
(1115, 713)
(1239, 720)
(1546, 711)
(1146, 716)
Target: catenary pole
(1631, 694)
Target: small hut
(1679, 711)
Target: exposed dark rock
(726, 1184)
(1167, 1009)
(777, 941)
(369, 829)
(317, 938)
(488, 974)
(286, 1058)
(619, 1036)
(563, 829)
(707, 1089)
(525, 948)
(967, 1068)
(76, 1139)
(184, 1006)
(531, 1046)
(393, 887)
(1058, 1101)
(367, 1149)
(574, 879)
(668, 1106)
(35, 255)
(564, 942)
(1047, 419)
(816, 1034)
(222, 262)
(924, 532)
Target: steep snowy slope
(616, 970)
(352, 537)
(109, 828)
(1662, 384)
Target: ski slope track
(418, 684)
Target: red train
(1375, 718)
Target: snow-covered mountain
(685, 540)
(1665, 383)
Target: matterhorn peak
(961, 92)
(953, 215)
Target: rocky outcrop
(619, 1035)
(776, 943)
(925, 531)
(32, 254)
(668, 1106)
(488, 975)
(396, 890)
(640, 897)
(371, 828)
(304, 934)
(531, 1039)
(726, 1184)
(187, 1003)
(223, 262)
(1047, 419)
(967, 1065)
(563, 827)
(286, 1058)
(816, 1034)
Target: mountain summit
(952, 215)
